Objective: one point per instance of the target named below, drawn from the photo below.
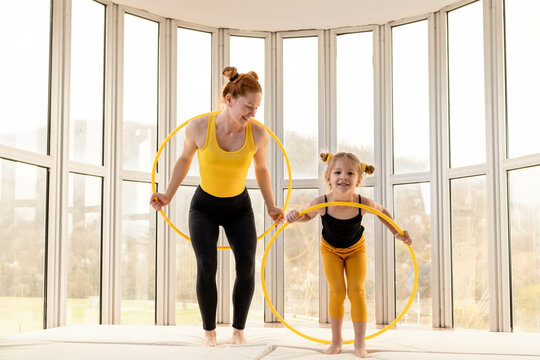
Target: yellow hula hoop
(154, 167)
(339, 203)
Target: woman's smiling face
(244, 107)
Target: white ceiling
(278, 15)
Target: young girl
(343, 247)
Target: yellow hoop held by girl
(339, 203)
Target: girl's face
(244, 107)
(344, 176)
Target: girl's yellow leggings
(353, 262)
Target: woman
(226, 143)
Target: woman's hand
(276, 214)
(159, 200)
(293, 216)
(405, 238)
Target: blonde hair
(241, 84)
(359, 166)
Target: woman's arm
(180, 170)
(263, 177)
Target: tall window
(84, 249)
(300, 127)
(467, 147)
(138, 266)
(412, 212)
(24, 88)
(301, 258)
(469, 252)
(23, 191)
(410, 116)
(466, 86)
(194, 81)
(86, 145)
(524, 209)
(522, 31)
(86, 96)
(300, 105)
(410, 96)
(140, 93)
(139, 145)
(25, 40)
(355, 95)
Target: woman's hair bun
(229, 71)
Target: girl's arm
(263, 178)
(369, 202)
(180, 170)
(292, 216)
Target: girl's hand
(159, 200)
(277, 215)
(405, 238)
(292, 216)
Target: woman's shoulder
(258, 131)
(200, 120)
(196, 130)
(199, 123)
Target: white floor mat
(117, 342)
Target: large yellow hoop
(339, 203)
(154, 166)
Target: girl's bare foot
(337, 339)
(238, 337)
(210, 338)
(360, 350)
(334, 348)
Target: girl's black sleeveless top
(341, 233)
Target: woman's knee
(245, 266)
(207, 265)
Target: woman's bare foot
(238, 337)
(360, 350)
(334, 348)
(210, 338)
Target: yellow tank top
(223, 173)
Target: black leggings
(235, 214)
